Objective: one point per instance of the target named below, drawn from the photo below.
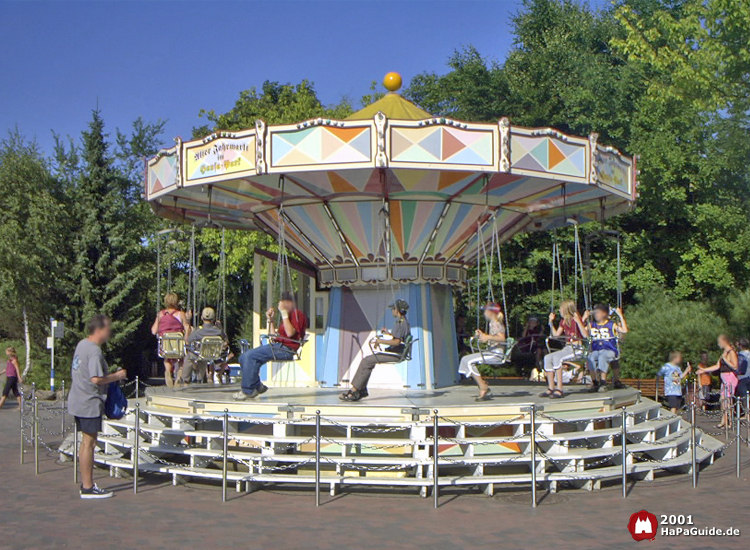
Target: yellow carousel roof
(393, 106)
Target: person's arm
(155, 326)
(732, 360)
(554, 331)
(18, 368)
(289, 328)
(120, 374)
(186, 326)
(712, 368)
(622, 326)
(269, 318)
(584, 330)
(686, 372)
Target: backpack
(116, 404)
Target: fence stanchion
(532, 410)
(747, 418)
(738, 414)
(317, 458)
(136, 446)
(137, 386)
(20, 410)
(693, 448)
(36, 435)
(624, 447)
(726, 408)
(435, 458)
(75, 452)
(63, 410)
(225, 452)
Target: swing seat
(580, 347)
(172, 345)
(497, 355)
(404, 355)
(270, 338)
(210, 349)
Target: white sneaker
(242, 396)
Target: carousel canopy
(391, 193)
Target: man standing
(396, 344)
(88, 392)
(192, 362)
(283, 345)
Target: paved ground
(44, 511)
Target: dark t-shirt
(400, 331)
(299, 322)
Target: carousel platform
(387, 440)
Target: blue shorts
(89, 425)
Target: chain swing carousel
(391, 203)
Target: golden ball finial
(392, 82)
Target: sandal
(557, 394)
(547, 393)
(486, 397)
(351, 396)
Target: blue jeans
(252, 360)
(600, 359)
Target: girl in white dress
(494, 339)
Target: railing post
(225, 452)
(624, 447)
(747, 417)
(136, 446)
(36, 435)
(21, 408)
(693, 447)
(63, 409)
(317, 458)
(737, 428)
(137, 386)
(75, 452)
(532, 411)
(435, 458)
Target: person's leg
(592, 364)
(604, 358)
(362, 376)
(6, 392)
(251, 361)
(169, 372)
(86, 459)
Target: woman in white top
(495, 353)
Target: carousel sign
(220, 156)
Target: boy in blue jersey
(673, 377)
(604, 333)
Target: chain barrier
(473, 425)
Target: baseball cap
(400, 305)
(492, 306)
(208, 314)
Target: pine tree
(109, 255)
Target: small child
(673, 377)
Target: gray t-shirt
(401, 330)
(86, 399)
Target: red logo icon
(643, 525)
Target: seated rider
(171, 319)
(495, 340)
(192, 361)
(283, 345)
(396, 346)
(604, 332)
(572, 329)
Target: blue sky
(169, 59)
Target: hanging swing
(282, 284)
(170, 345)
(499, 353)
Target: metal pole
(75, 453)
(136, 446)
(435, 458)
(624, 446)
(137, 386)
(727, 409)
(693, 448)
(225, 450)
(64, 410)
(36, 436)
(533, 456)
(747, 417)
(737, 427)
(317, 458)
(20, 410)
